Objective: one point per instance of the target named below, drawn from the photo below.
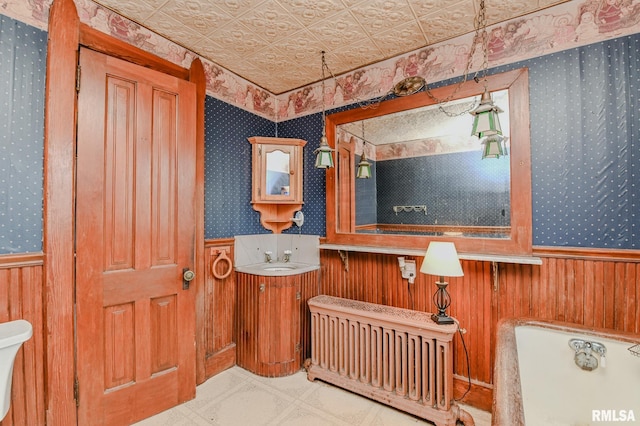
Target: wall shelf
(500, 258)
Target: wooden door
(346, 179)
(135, 324)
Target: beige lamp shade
(441, 259)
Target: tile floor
(238, 397)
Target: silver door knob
(187, 275)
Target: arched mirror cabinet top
(511, 235)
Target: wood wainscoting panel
(21, 287)
(597, 288)
(216, 333)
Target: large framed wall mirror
(429, 180)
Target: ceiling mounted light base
(408, 86)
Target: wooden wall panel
(597, 288)
(219, 304)
(21, 286)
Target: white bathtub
(537, 382)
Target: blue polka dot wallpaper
(309, 128)
(227, 173)
(22, 80)
(585, 145)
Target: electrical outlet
(409, 270)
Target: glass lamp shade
(364, 168)
(492, 147)
(324, 158)
(441, 259)
(486, 121)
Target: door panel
(135, 233)
(346, 161)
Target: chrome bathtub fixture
(287, 256)
(267, 256)
(584, 357)
(635, 350)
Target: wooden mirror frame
(519, 239)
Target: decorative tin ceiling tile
(304, 47)
(276, 43)
(210, 49)
(174, 30)
(333, 32)
(441, 26)
(239, 39)
(308, 12)
(361, 52)
(381, 15)
(270, 21)
(235, 8)
(428, 7)
(405, 37)
(500, 10)
(198, 14)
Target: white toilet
(12, 335)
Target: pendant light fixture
(486, 122)
(324, 156)
(364, 168)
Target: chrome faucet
(267, 256)
(287, 255)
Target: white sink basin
(279, 268)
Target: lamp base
(442, 319)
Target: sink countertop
(277, 269)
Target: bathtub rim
(507, 408)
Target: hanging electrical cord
(466, 353)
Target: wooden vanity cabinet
(273, 322)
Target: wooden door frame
(66, 35)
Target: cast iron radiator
(395, 356)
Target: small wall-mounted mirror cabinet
(277, 180)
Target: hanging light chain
(480, 37)
(323, 97)
(481, 25)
